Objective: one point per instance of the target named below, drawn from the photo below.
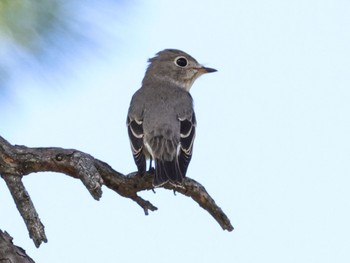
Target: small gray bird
(161, 120)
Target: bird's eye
(181, 62)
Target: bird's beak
(206, 70)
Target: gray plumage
(161, 120)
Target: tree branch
(17, 161)
(26, 208)
(10, 253)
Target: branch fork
(17, 161)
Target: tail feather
(167, 171)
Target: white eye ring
(181, 62)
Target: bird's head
(177, 67)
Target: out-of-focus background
(272, 147)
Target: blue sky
(272, 145)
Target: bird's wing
(187, 135)
(135, 129)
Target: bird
(161, 121)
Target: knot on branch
(59, 157)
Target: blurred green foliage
(27, 31)
(38, 36)
(27, 22)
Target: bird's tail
(167, 171)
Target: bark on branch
(11, 253)
(17, 161)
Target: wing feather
(187, 135)
(135, 131)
